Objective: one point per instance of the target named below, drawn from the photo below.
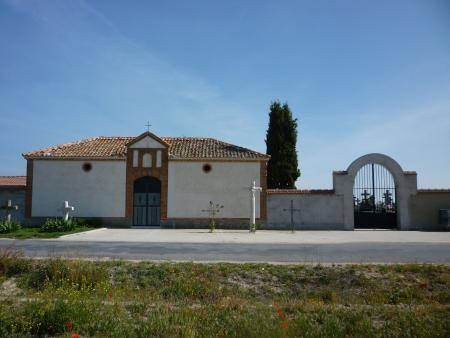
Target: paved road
(242, 252)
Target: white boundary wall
(315, 211)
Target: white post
(66, 210)
(253, 189)
(253, 207)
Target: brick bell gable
(133, 173)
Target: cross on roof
(148, 125)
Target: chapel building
(146, 181)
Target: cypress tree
(281, 139)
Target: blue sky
(360, 76)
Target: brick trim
(133, 173)
(29, 189)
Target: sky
(360, 76)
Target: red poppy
(275, 305)
(110, 295)
(423, 285)
(280, 313)
(69, 325)
(285, 324)
(74, 335)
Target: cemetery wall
(317, 210)
(17, 196)
(191, 188)
(424, 208)
(99, 192)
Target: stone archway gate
(334, 209)
(405, 187)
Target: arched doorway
(147, 201)
(374, 198)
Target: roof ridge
(230, 144)
(116, 146)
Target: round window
(207, 168)
(87, 167)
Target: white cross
(253, 188)
(66, 209)
(9, 207)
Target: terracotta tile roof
(104, 147)
(300, 191)
(13, 181)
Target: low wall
(424, 208)
(17, 197)
(318, 210)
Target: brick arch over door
(405, 185)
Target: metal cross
(66, 209)
(148, 125)
(365, 194)
(292, 210)
(213, 209)
(387, 197)
(9, 207)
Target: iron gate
(374, 198)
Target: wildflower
(74, 335)
(69, 325)
(280, 314)
(276, 306)
(110, 295)
(285, 324)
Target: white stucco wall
(190, 189)
(147, 142)
(97, 193)
(316, 211)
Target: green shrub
(8, 226)
(58, 225)
(88, 222)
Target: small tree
(281, 140)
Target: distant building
(13, 188)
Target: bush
(58, 225)
(89, 222)
(8, 226)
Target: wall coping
(299, 191)
(433, 190)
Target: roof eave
(76, 158)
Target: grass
(27, 233)
(55, 297)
